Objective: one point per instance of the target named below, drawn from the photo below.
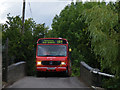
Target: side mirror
(70, 50)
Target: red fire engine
(53, 55)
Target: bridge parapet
(92, 76)
(16, 71)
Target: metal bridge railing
(92, 76)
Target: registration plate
(51, 68)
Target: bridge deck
(49, 82)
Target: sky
(42, 11)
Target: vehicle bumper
(52, 69)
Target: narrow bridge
(49, 82)
(16, 77)
(89, 79)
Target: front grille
(51, 62)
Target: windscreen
(52, 50)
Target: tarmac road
(48, 82)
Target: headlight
(63, 63)
(38, 62)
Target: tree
(21, 47)
(71, 26)
(92, 30)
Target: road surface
(48, 82)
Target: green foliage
(92, 30)
(22, 46)
(112, 83)
(103, 36)
(69, 25)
